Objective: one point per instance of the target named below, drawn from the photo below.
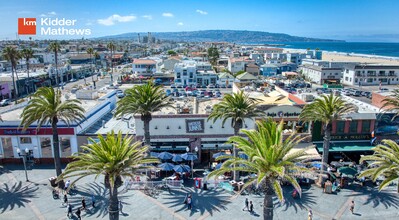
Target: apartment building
(321, 75)
(370, 74)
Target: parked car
(82, 77)
(223, 86)
(73, 80)
(211, 86)
(229, 86)
(384, 90)
(4, 102)
(356, 93)
(179, 86)
(62, 84)
(172, 86)
(120, 94)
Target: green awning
(346, 147)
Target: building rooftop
(108, 123)
(144, 61)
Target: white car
(4, 102)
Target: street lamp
(24, 154)
(192, 161)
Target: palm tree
(27, 53)
(237, 107)
(90, 51)
(269, 158)
(326, 109)
(144, 100)
(114, 157)
(385, 163)
(46, 107)
(56, 47)
(391, 103)
(12, 55)
(111, 46)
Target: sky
(351, 20)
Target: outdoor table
(233, 183)
(240, 184)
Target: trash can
(197, 183)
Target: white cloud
(111, 20)
(180, 24)
(167, 14)
(202, 12)
(49, 14)
(43, 15)
(52, 13)
(149, 17)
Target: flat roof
(125, 125)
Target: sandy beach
(330, 56)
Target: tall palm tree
(237, 107)
(391, 103)
(385, 163)
(12, 55)
(326, 109)
(113, 156)
(90, 51)
(269, 157)
(111, 46)
(144, 100)
(47, 107)
(27, 53)
(55, 47)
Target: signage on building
(33, 131)
(284, 111)
(195, 125)
(351, 137)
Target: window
(336, 74)
(178, 75)
(65, 146)
(191, 75)
(365, 126)
(7, 147)
(25, 140)
(340, 127)
(45, 145)
(353, 127)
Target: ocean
(380, 49)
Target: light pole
(192, 161)
(24, 154)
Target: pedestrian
(251, 207)
(93, 201)
(246, 205)
(67, 184)
(352, 206)
(189, 202)
(83, 203)
(69, 211)
(78, 213)
(310, 215)
(185, 199)
(120, 205)
(65, 199)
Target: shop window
(366, 126)
(340, 127)
(25, 140)
(45, 145)
(353, 127)
(65, 145)
(8, 151)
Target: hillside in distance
(222, 36)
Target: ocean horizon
(367, 48)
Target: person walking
(83, 203)
(69, 211)
(93, 201)
(78, 213)
(67, 184)
(120, 206)
(352, 206)
(246, 205)
(185, 199)
(310, 215)
(251, 207)
(65, 199)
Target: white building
(327, 64)
(371, 74)
(238, 64)
(321, 75)
(144, 67)
(193, 73)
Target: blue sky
(353, 20)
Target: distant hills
(222, 36)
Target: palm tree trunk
(146, 119)
(56, 147)
(15, 87)
(326, 145)
(27, 71)
(237, 127)
(268, 202)
(113, 204)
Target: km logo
(27, 26)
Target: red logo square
(27, 26)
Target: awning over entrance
(312, 153)
(346, 147)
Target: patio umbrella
(347, 171)
(165, 156)
(336, 164)
(181, 168)
(166, 166)
(316, 165)
(216, 155)
(154, 154)
(177, 158)
(189, 156)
